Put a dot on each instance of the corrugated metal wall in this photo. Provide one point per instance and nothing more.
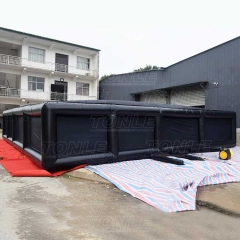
(220, 64)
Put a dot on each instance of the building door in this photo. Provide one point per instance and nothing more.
(59, 91)
(159, 97)
(193, 95)
(61, 63)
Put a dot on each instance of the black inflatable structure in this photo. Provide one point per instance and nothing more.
(61, 135)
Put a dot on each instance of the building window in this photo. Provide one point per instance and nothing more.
(36, 54)
(83, 63)
(36, 84)
(82, 89)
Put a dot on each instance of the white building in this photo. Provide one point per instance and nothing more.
(35, 69)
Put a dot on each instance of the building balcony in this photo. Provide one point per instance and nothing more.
(10, 60)
(38, 96)
(46, 67)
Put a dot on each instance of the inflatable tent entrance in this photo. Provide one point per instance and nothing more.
(62, 135)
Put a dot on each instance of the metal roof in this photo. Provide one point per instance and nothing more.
(166, 68)
(48, 39)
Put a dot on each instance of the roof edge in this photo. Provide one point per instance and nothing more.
(209, 49)
(48, 39)
(180, 60)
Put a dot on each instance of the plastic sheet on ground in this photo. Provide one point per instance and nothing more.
(168, 187)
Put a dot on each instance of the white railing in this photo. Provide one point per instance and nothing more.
(34, 94)
(71, 97)
(9, 92)
(61, 67)
(44, 96)
(14, 60)
(11, 60)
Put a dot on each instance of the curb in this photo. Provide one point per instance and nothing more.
(217, 208)
(87, 175)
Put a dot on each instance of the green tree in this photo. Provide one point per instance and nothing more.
(147, 68)
(105, 77)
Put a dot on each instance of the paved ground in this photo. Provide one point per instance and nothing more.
(223, 197)
(73, 208)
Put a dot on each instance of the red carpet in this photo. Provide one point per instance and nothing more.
(19, 165)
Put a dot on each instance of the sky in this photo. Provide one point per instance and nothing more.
(130, 34)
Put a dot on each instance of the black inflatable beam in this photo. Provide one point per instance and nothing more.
(162, 158)
(193, 158)
(62, 135)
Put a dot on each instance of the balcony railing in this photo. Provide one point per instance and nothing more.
(61, 67)
(44, 96)
(17, 61)
(9, 92)
(11, 60)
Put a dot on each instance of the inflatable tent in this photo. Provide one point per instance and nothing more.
(62, 135)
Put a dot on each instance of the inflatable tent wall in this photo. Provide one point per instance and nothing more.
(61, 135)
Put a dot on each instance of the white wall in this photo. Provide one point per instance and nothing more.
(51, 80)
(95, 62)
(50, 64)
(50, 59)
(21, 81)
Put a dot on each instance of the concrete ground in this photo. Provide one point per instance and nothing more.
(224, 198)
(82, 205)
(72, 208)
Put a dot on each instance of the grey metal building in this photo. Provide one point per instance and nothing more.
(210, 79)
